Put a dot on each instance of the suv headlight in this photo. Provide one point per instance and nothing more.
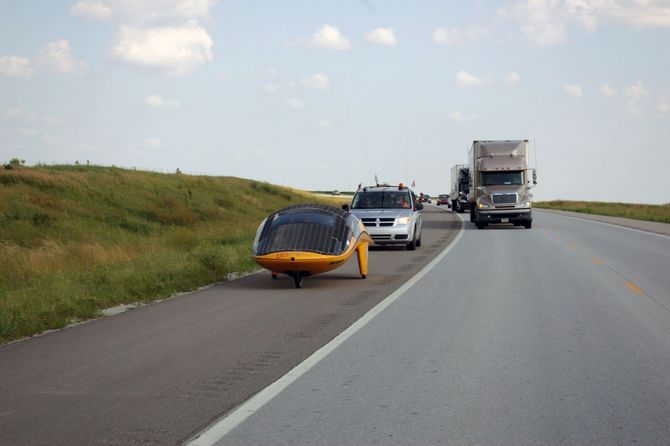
(404, 220)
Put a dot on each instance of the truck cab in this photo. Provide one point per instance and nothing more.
(391, 214)
(500, 183)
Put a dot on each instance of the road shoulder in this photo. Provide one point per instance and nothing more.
(640, 225)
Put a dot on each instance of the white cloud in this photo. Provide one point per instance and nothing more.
(92, 9)
(51, 140)
(574, 90)
(607, 90)
(329, 37)
(30, 116)
(318, 81)
(465, 79)
(453, 36)
(636, 90)
(546, 22)
(57, 56)
(158, 102)
(381, 36)
(14, 66)
(325, 124)
(13, 112)
(540, 22)
(664, 104)
(173, 50)
(151, 143)
(271, 88)
(462, 117)
(295, 103)
(639, 13)
(145, 11)
(512, 78)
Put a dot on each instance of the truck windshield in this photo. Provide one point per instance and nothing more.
(501, 178)
(384, 200)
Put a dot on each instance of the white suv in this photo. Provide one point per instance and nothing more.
(390, 214)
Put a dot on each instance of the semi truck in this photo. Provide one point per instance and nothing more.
(460, 186)
(500, 183)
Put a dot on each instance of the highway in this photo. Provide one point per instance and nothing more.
(161, 373)
(555, 335)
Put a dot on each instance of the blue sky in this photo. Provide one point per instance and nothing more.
(326, 94)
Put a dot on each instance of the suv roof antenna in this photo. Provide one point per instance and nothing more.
(376, 180)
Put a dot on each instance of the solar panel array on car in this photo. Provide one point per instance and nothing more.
(313, 228)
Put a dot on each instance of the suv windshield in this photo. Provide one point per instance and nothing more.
(501, 178)
(383, 200)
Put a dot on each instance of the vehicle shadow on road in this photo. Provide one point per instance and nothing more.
(469, 226)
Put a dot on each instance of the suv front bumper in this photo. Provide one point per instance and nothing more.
(390, 235)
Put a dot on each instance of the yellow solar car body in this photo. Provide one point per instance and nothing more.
(309, 239)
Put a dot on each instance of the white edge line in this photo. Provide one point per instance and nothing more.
(219, 429)
(606, 223)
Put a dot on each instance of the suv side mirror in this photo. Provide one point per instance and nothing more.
(419, 206)
(345, 207)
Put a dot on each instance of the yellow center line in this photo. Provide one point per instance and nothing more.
(634, 288)
(597, 261)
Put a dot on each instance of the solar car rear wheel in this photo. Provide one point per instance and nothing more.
(297, 279)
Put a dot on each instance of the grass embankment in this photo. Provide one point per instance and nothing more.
(647, 212)
(77, 239)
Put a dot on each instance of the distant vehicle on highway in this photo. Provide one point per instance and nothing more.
(308, 239)
(460, 186)
(425, 198)
(390, 214)
(443, 199)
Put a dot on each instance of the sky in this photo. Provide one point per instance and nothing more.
(323, 95)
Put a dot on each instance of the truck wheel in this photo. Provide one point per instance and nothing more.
(418, 242)
(472, 214)
(480, 225)
(528, 224)
(453, 205)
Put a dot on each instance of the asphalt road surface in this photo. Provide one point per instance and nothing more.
(159, 374)
(559, 335)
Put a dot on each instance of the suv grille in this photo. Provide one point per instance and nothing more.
(503, 198)
(381, 237)
(383, 221)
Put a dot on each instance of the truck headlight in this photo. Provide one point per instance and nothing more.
(524, 204)
(404, 220)
(483, 205)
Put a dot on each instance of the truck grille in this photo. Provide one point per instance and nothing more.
(504, 198)
(384, 221)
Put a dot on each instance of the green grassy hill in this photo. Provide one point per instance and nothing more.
(77, 239)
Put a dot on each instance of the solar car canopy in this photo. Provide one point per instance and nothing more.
(311, 228)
